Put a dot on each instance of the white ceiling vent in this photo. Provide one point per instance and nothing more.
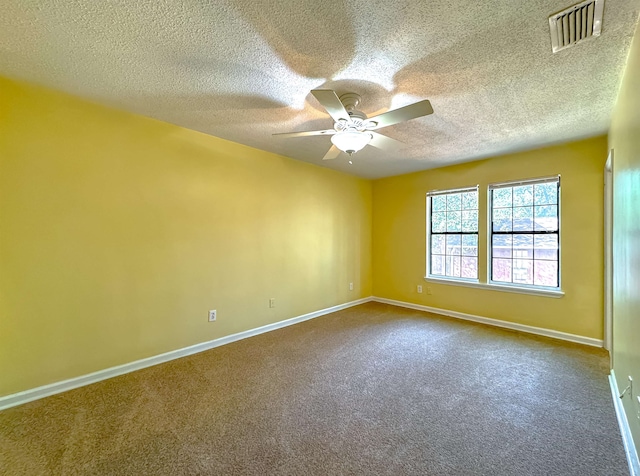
(575, 24)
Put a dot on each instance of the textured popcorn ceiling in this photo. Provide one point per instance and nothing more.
(242, 70)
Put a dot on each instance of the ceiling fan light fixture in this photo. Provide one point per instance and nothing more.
(351, 141)
(353, 130)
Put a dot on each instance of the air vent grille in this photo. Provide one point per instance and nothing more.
(575, 24)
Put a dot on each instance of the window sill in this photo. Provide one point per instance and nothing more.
(498, 287)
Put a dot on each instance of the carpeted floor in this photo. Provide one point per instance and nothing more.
(374, 389)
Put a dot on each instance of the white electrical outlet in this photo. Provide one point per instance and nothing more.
(419, 288)
(272, 302)
(212, 315)
(350, 286)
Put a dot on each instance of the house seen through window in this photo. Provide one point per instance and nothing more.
(525, 233)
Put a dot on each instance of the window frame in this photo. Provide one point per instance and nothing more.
(453, 279)
(522, 286)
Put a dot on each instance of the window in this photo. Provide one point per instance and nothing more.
(525, 233)
(452, 234)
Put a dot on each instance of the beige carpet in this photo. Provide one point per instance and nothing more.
(373, 389)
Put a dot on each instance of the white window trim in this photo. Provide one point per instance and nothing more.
(523, 288)
(433, 193)
(539, 291)
(492, 285)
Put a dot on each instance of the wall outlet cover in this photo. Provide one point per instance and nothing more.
(212, 315)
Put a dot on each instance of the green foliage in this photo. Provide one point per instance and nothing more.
(438, 222)
(470, 200)
(454, 255)
(454, 221)
(455, 212)
(546, 193)
(454, 201)
(523, 196)
(518, 257)
(502, 197)
(439, 203)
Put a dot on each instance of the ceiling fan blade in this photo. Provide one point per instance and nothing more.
(331, 102)
(406, 113)
(332, 153)
(328, 132)
(383, 142)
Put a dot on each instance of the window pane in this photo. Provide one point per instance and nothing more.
(546, 273)
(451, 215)
(520, 254)
(470, 220)
(439, 203)
(470, 245)
(502, 219)
(453, 266)
(501, 270)
(546, 193)
(437, 244)
(523, 246)
(523, 219)
(523, 196)
(454, 221)
(437, 265)
(523, 271)
(469, 268)
(470, 200)
(454, 201)
(454, 245)
(438, 222)
(546, 218)
(501, 197)
(545, 247)
(501, 247)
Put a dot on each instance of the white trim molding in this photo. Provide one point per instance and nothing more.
(623, 423)
(492, 286)
(608, 255)
(496, 322)
(26, 396)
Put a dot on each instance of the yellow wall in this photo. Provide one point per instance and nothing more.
(399, 234)
(624, 139)
(118, 233)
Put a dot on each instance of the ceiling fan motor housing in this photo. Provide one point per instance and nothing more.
(350, 101)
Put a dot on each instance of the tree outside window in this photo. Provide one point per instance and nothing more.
(525, 233)
(452, 234)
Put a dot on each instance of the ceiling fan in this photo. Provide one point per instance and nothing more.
(353, 130)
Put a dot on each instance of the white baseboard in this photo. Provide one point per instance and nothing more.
(495, 322)
(62, 386)
(59, 387)
(623, 423)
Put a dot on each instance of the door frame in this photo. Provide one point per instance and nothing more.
(608, 256)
